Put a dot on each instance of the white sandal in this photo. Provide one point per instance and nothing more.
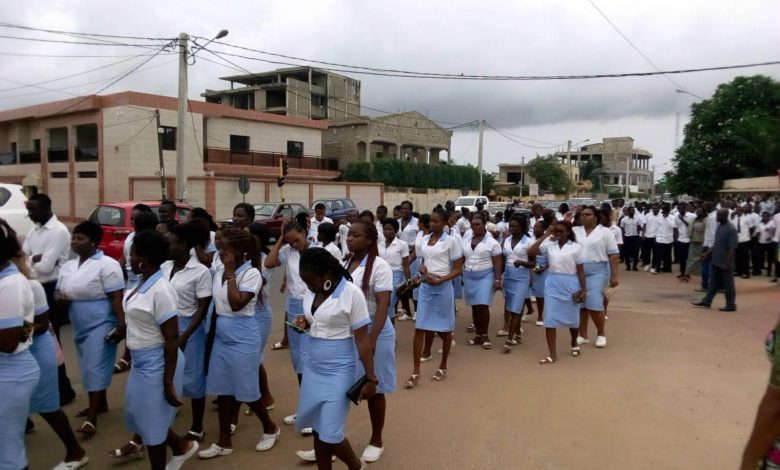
(139, 452)
(214, 451)
(267, 441)
(73, 464)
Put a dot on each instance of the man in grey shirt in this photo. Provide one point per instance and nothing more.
(721, 256)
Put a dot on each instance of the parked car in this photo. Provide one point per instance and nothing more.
(114, 217)
(13, 208)
(272, 214)
(337, 208)
(470, 202)
(494, 207)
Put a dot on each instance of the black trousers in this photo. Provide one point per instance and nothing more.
(681, 255)
(765, 258)
(631, 250)
(743, 259)
(662, 257)
(57, 318)
(647, 250)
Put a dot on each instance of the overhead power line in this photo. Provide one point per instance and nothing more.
(100, 35)
(87, 43)
(508, 137)
(75, 56)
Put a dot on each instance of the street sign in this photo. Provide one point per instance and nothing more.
(533, 189)
(243, 184)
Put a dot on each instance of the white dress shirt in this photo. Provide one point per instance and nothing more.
(146, 308)
(480, 257)
(712, 227)
(766, 232)
(596, 246)
(291, 258)
(665, 232)
(94, 279)
(191, 283)
(463, 224)
(684, 228)
(52, 241)
(248, 279)
(617, 233)
(743, 223)
(394, 253)
(380, 280)
(334, 250)
(344, 311)
(563, 260)
(652, 224)
(438, 258)
(630, 225)
(409, 232)
(520, 250)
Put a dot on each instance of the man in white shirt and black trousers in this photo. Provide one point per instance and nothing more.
(47, 247)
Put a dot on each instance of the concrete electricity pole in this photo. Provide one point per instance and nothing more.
(568, 166)
(163, 190)
(479, 159)
(181, 177)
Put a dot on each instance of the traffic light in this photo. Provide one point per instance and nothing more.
(285, 167)
(280, 181)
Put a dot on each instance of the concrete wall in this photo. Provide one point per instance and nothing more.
(263, 137)
(763, 183)
(423, 202)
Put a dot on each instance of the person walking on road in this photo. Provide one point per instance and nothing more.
(722, 258)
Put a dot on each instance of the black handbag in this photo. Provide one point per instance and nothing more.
(354, 391)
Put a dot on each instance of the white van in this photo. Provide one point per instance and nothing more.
(470, 202)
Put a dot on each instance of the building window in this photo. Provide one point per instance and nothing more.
(514, 176)
(87, 174)
(617, 180)
(294, 148)
(167, 137)
(239, 143)
(9, 158)
(59, 174)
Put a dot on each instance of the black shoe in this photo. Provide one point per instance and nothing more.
(728, 309)
(700, 304)
(68, 397)
(634, 268)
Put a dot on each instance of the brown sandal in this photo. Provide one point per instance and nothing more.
(87, 428)
(439, 375)
(411, 382)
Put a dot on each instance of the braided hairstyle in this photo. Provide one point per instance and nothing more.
(243, 242)
(300, 223)
(9, 244)
(522, 219)
(373, 252)
(320, 262)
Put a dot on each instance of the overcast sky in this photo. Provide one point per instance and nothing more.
(487, 37)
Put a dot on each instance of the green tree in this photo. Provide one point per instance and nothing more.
(591, 171)
(550, 175)
(734, 134)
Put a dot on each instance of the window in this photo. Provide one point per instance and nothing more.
(514, 176)
(5, 195)
(337, 206)
(59, 174)
(167, 137)
(108, 215)
(87, 174)
(349, 203)
(294, 148)
(617, 180)
(239, 143)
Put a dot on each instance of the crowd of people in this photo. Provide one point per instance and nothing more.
(192, 303)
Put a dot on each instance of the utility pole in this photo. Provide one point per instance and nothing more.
(522, 176)
(568, 166)
(163, 191)
(479, 158)
(181, 177)
(628, 177)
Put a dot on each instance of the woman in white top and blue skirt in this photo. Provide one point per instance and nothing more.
(46, 396)
(482, 272)
(409, 228)
(263, 312)
(442, 262)
(156, 378)
(565, 286)
(191, 281)
(336, 318)
(396, 252)
(92, 285)
(602, 258)
(405, 312)
(517, 277)
(19, 371)
(539, 274)
(375, 278)
(235, 357)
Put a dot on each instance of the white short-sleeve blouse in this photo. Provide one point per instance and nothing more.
(339, 315)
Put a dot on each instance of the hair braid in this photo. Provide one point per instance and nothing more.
(244, 242)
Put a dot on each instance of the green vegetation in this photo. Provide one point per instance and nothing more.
(550, 175)
(417, 175)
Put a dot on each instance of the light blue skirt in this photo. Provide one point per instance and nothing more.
(294, 339)
(92, 320)
(384, 359)
(46, 397)
(516, 288)
(478, 286)
(560, 310)
(537, 290)
(457, 287)
(398, 280)
(265, 319)
(235, 357)
(194, 360)
(329, 370)
(596, 280)
(414, 269)
(436, 308)
(19, 375)
(147, 413)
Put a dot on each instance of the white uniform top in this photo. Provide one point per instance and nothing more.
(266, 274)
(709, 231)
(316, 223)
(683, 230)
(18, 304)
(409, 232)
(502, 227)
(191, 283)
(394, 253)
(381, 280)
(146, 308)
(743, 224)
(617, 233)
(343, 233)
(776, 220)
(248, 280)
(563, 260)
(418, 245)
(126, 250)
(291, 258)
(438, 258)
(630, 225)
(463, 224)
(766, 232)
(665, 233)
(94, 279)
(344, 311)
(334, 250)
(39, 297)
(216, 264)
(481, 257)
(519, 252)
(652, 224)
(597, 246)
(52, 240)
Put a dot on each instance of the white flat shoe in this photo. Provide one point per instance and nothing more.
(310, 456)
(267, 441)
(290, 419)
(214, 451)
(581, 340)
(73, 464)
(540, 323)
(601, 341)
(178, 460)
(307, 431)
(372, 453)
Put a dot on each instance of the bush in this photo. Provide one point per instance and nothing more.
(416, 175)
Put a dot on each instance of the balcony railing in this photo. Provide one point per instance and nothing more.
(269, 159)
(7, 158)
(58, 155)
(29, 156)
(86, 153)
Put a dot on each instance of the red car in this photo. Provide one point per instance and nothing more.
(114, 217)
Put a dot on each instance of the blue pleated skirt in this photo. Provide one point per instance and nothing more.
(46, 396)
(147, 413)
(19, 374)
(92, 320)
(540, 278)
(398, 279)
(295, 339)
(478, 287)
(235, 357)
(194, 360)
(329, 370)
(516, 288)
(414, 269)
(436, 308)
(457, 287)
(596, 280)
(560, 310)
(265, 319)
(384, 359)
